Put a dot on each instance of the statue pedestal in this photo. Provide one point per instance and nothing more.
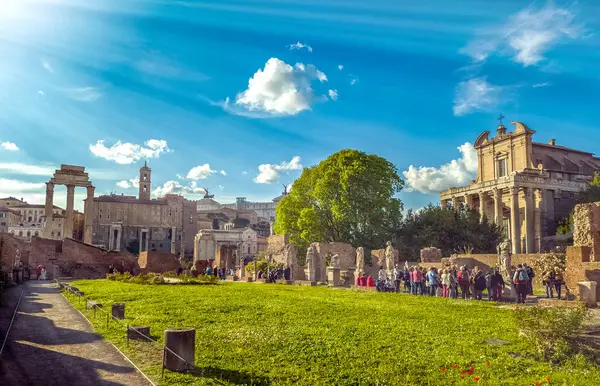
(587, 292)
(333, 276)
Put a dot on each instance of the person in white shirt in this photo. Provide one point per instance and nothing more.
(381, 278)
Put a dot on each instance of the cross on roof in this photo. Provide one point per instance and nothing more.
(500, 118)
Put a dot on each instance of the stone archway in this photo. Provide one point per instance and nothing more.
(72, 177)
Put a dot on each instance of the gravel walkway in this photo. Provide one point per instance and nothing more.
(51, 343)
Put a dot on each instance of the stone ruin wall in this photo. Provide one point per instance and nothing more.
(158, 262)
(63, 258)
(276, 248)
(431, 255)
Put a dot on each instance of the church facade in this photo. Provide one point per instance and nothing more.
(524, 186)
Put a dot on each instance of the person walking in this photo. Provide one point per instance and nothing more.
(558, 282)
(521, 280)
(43, 274)
(531, 275)
(489, 284)
(464, 282)
(548, 280)
(398, 275)
(498, 285)
(445, 283)
(381, 278)
(478, 283)
(432, 279)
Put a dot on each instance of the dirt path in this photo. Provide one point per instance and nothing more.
(51, 343)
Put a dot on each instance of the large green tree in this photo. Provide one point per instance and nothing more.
(349, 197)
(449, 230)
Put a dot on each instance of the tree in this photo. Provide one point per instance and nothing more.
(449, 230)
(348, 197)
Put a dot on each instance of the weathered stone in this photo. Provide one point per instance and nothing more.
(431, 255)
(333, 276)
(118, 311)
(138, 333)
(182, 343)
(587, 292)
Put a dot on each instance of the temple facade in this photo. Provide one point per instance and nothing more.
(524, 186)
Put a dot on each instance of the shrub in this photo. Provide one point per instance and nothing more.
(549, 261)
(551, 329)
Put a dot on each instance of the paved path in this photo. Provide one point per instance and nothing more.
(51, 343)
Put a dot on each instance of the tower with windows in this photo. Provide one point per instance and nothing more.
(145, 178)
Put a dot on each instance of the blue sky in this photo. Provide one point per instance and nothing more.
(178, 83)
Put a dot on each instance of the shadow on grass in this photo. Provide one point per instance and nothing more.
(232, 376)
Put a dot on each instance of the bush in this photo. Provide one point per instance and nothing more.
(551, 330)
(548, 261)
(155, 278)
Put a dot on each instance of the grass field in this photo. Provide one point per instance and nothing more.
(283, 335)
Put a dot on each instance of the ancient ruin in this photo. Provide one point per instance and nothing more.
(72, 177)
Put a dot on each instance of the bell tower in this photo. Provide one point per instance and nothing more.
(145, 178)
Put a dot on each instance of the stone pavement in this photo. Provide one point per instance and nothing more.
(51, 343)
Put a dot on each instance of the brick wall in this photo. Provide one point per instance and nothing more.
(158, 262)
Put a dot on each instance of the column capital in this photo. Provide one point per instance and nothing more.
(49, 185)
(514, 190)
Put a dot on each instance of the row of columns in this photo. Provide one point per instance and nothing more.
(68, 229)
(531, 196)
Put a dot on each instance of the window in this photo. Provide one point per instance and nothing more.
(58, 234)
(502, 168)
(160, 245)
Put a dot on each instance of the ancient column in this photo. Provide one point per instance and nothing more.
(147, 240)
(539, 205)
(173, 239)
(119, 232)
(469, 201)
(88, 215)
(455, 203)
(68, 229)
(515, 221)
(482, 205)
(529, 221)
(548, 221)
(498, 206)
(444, 204)
(48, 209)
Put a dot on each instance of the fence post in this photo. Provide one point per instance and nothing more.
(127, 334)
(107, 318)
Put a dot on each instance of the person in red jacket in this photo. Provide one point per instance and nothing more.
(464, 282)
(370, 282)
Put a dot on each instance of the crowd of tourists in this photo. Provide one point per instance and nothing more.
(270, 274)
(462, 282)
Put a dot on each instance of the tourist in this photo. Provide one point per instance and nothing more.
(398, 275)
(498, 285)
(478, 283)
(548, 280)
(464, 282)
(445, 283)
(411, 276)
(418, 279)
(453, 293)
(531, 275)
(489, 285)
(521, 280)
(43, 274)
(423, 279)
(358, 281)
(111, 269)
(558, 282)
(286, 273)
(370, 282)
(432, 279)
(38, 271)
(381, 278)
(407, 279)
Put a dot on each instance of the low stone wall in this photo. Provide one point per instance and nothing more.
(580, 268)
(158, 262)
(346, 252)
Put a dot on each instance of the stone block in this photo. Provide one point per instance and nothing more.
(587, 292)
(249, 279)
(182, 343)
(333, 276)
(118, 311)
(138, 333)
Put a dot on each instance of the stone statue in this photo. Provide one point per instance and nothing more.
(389, 257)
(206, 195)
(360, 259)
(17, 258)
(505, 263)
(335, 261)
(311, 259)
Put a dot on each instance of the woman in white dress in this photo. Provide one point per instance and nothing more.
(43, 274)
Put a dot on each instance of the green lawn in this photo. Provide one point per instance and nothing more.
(282, 335)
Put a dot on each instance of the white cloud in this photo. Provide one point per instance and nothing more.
(221, 187)
(299, 46)
(83, 94)
(33, 170)
(333, 94)
(269, 174)
(47, 66)
(280, 89)
(353, 79)
(41, 92)
(544, 84)
(10, 146)
(35, 193)
(475, 94)
(456, 173)
(130, 183)
(179, 176)
(175, 187)
(223, 172)
(127, 153)
(17, 186)
(244, 172)
(340, 67)
(200, 172)
(527, 35)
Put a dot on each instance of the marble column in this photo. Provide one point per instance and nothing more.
(48, 210)
(455, 203)
(482, 205)
(515, 221)
(68, 230)
(119, 234)
(173, 239)
(539, 209)
(88, 215)
(469, 201)
(498, 206)
(529, 221)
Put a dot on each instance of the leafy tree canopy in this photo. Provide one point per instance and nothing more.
(451, 231)
(349, 197)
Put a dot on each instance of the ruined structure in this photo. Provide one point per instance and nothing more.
(524, 186)
(228, 248)
(72, 177)
(431, 255)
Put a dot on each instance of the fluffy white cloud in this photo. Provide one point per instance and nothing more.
(41, 93)
(269, 174)
(10, 146)
(299, 46)
(353, 79)
(83, 94)
(456, 173)
(130, 183)
(35, 193)
(333, 94)
(476, 94)
(17, 186)
(32, 170)
(280, 89)
(223, 172)
(544, 84)
(127, 153)
(200, 172)
(340, 67)
(47, 66)
(175, 187)
(527, 35)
